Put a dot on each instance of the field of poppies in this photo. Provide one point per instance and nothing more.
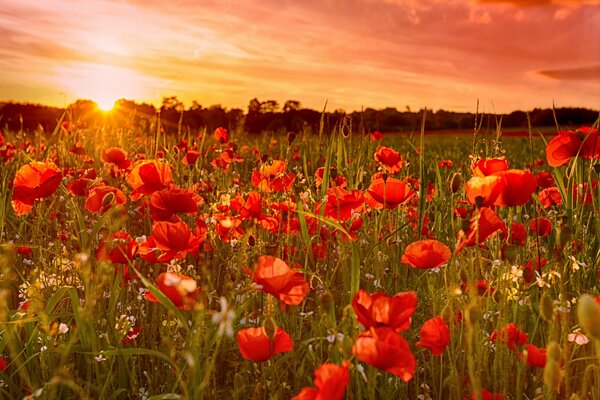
(328, 265)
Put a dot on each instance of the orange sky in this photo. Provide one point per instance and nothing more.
(354, 53)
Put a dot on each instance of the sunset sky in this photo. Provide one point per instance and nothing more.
(353, 53)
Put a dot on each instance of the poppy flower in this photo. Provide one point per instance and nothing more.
(252, 206)
(483, 190)
(445, 164)
(426, 254)
(79, 187)
(583, 142)
(511, 336)
(536, 356)
(115, 156)
(148, 176)
(190, 157)
(330, 381)
(388, 193)
(255, 345)
(228, 228)
(376, 135)
(545, 179)
(550, 197)
(483, 225)
(273, 178)
(518, 233)
(131, 335)
(517, 187)
(542, 226)
(3, 363)
(165, 203)
(276, 278)
(584, 193)
(119, 248)
(335, 179)
(435, 336)
(172, 239)
(221, 135)
(100, 198)
(383, 348)
(389, 159)
(342, 203)
(36, 180)
(181, 289)
(380, 310)
(489, 166)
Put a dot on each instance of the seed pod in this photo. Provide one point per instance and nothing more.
(447, 313)
(588, 312)
(546, 307)
(456, 182)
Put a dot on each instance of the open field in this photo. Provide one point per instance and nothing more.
(337, 265)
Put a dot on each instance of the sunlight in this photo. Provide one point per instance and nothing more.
(102, 83)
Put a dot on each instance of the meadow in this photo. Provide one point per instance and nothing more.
(337, 264)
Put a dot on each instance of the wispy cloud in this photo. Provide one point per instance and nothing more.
(354, 53)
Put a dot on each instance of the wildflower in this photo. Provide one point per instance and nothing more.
(488, 166)
(149, 176)
(165, 203)
(379, 310)
(517, 187)
(511, 336)
(273, 178)
(383, 348)
(36, 180)
(483, 190)
(182, 290)
(256, 345)
(388, 193)
(483, 225)
(172, 239)
(583, 142)
(536, 356)
(115, 156)
(376, 135)
(542, 226)
(330, 381)
(578, 337)
(100, 198)
(435, 336)
(426, 254)
(278, 279)
(224, 318)
(389, 159)
(221, 135)
(341, 203)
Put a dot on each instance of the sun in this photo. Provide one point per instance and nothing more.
(102, 83)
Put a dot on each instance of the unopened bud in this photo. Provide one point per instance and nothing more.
(552, 375)
(270, 328)
(564, 234)
(553, 351)
(473, 312)
(547, 307)
(456, 182)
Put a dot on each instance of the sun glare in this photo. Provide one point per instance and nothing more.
(102, 83)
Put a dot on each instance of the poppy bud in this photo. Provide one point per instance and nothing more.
(546, 307)
(251, 241)
(447, 312)
(264, 158)
(464, 276)
(108, 199)
(588, 312)
(270, 328)
(509, 253)
(291, 137)
(564, 234)
(384, 176)
(455, 182)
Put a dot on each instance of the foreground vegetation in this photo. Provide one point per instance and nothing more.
(220, 265)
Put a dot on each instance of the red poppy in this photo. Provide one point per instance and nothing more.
(389, 159)
(426, 254)
(583, 193)
(181, 289)
(190, 157)
(483, 190)
(79, 187)
(273, 178)
(100, 198)
(3, 363)
(342, 203)
(228, 228)
(483, 225)
(255, 345)
(511, 336)
(35, 180)
(119, 248)
(389, 193)
(116, 156)
(149, 176)
(380, 310)
(383, 348)
(335, 179)
(445, 164)
(330, 381)
(517, 187)
(165, 203)
(583, 142)
(488, 166)
(550, 197)
(276, 278)
(536, 356)
(172, 239)
(435, 336)
(542, 226)
(376, 135)
(131, 335)
(222, 135)
(518, 233)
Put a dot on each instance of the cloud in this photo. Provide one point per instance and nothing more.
(590, 72)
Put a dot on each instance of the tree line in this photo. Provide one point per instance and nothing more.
(269, 116)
